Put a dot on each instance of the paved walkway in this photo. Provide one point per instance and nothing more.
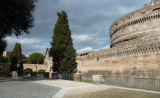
(22, 88)
(42, 88)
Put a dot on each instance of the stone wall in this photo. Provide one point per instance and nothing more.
(147, 65)
(137, 28)
(34, 67)
(135, 47)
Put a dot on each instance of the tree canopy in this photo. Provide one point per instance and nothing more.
(36, 58)
(62, 50)
(16, 17)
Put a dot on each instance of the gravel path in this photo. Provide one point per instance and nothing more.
(71, 88)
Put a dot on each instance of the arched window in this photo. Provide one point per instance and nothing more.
(156, 9)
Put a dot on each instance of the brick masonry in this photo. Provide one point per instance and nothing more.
(135, 46)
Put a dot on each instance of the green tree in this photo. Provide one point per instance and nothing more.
(3, 45)
(16, 17)
(17, 51)
(62, 50)
(16, 59)
(27, 71)
(36, 58)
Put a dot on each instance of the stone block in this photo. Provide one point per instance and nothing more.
(97, 79)
(77, 77)
(14, 74)
(50, 75)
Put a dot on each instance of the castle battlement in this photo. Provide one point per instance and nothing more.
(116, 54)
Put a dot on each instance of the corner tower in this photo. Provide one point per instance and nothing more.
(137, 28)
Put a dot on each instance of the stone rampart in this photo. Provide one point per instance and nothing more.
(115, 54)
(136, 28)
(135, 46)
(147, 65)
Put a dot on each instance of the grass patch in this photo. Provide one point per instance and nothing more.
(115, 93)
(87, 81)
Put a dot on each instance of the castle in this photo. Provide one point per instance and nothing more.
(134, 47)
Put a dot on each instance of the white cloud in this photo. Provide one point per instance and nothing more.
(89, 40)
(88, 20)
(103, 48)
(24, 41)
(28, 45)
(89, 49)
(84, 50)
(35, 48)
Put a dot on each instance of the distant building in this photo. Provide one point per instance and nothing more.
(26, 55)
(5, 53)
(48, 61)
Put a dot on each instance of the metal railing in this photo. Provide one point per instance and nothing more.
(131, 82)
(67, 76)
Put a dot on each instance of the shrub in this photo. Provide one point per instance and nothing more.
(28, 70)
(41, 71)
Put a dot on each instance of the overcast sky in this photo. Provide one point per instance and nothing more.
(89, 21)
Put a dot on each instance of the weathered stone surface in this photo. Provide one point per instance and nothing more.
(77, 77)
(14, 74)
(97, 79)
(137, 28)
(135, 41)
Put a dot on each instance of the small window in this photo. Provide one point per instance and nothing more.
(143, 12)
(97, 59)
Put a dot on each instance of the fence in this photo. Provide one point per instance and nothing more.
(67, 76)
(86, 77)
(131, 82)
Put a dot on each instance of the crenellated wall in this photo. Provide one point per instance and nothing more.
(120, 53)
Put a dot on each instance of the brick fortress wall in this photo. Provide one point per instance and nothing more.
(135, 46)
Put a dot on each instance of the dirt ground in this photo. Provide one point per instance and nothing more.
(71, 89)
(114, 93)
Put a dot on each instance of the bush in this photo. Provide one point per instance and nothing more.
(46, 74)
(41, 71)
(27, 71)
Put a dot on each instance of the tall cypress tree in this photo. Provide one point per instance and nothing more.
(17, 51)
(17, 58)
(62, 50)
